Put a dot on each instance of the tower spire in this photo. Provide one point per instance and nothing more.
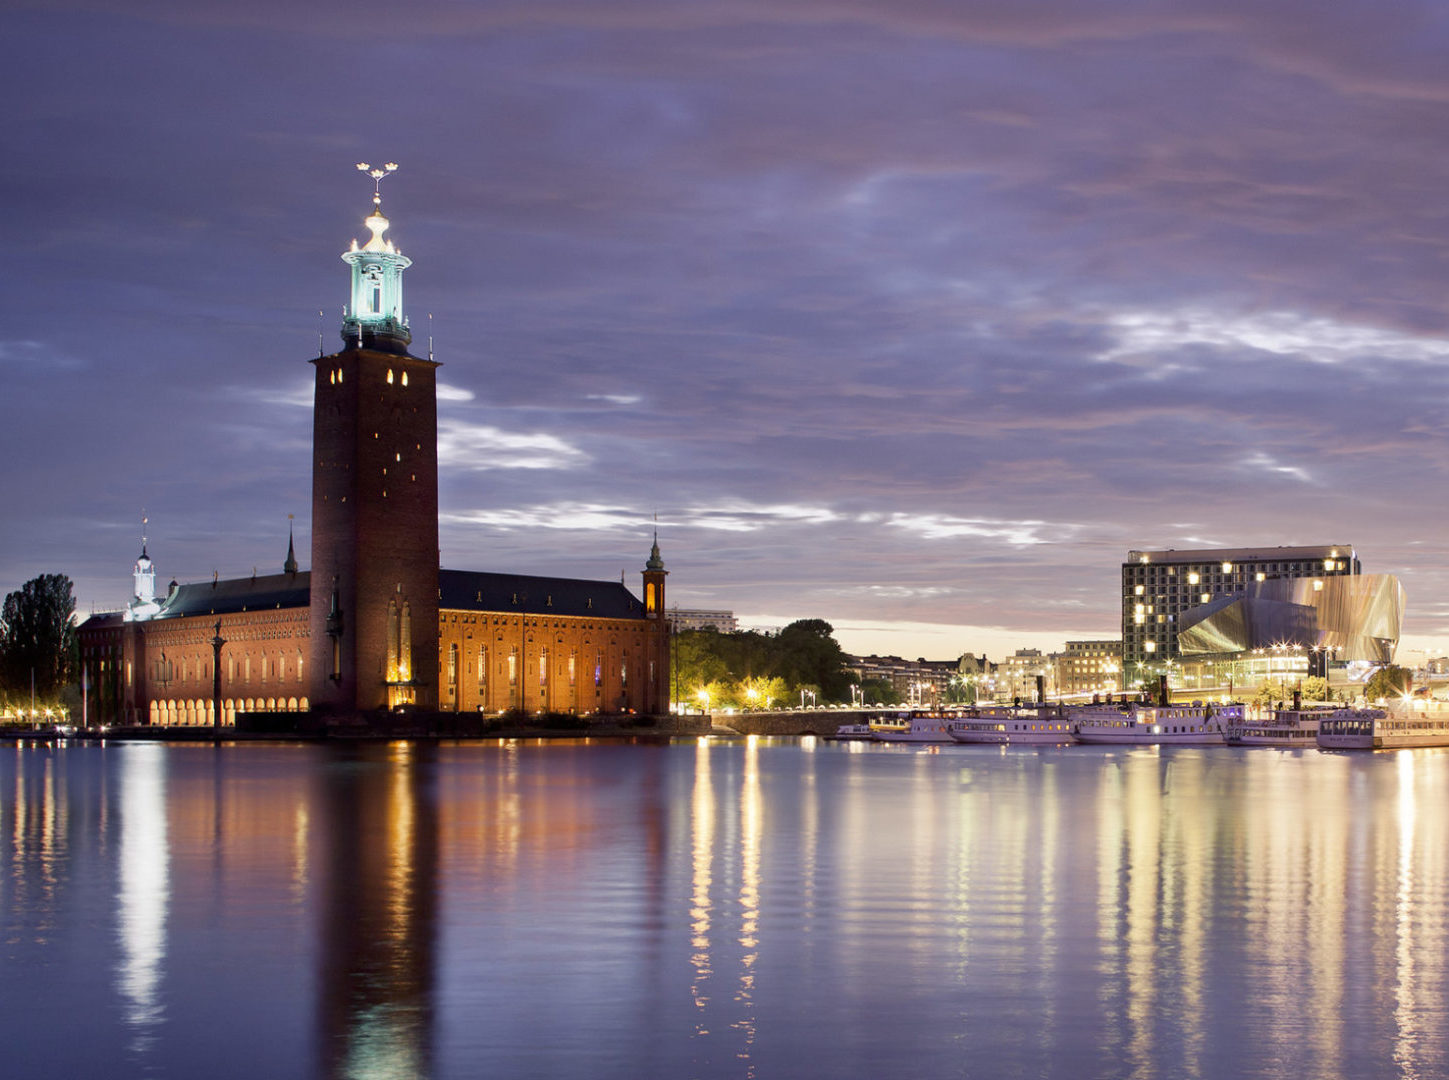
(375, 319)
(290, 566)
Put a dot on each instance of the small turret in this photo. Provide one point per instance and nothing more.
(143, 603)
(654, 575)
(290, 566)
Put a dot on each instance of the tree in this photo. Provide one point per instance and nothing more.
(810, 656)
(879, 692)
(37, 637)
(1388, 681)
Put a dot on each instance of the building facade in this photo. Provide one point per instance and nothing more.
(1158, 587)
(1087, 667)
(918, 682)
(376, 623)
(723, 622)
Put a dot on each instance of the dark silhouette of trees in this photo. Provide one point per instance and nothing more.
(37, 636)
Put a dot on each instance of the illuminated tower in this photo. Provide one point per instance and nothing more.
(657, 691)
(374, 599)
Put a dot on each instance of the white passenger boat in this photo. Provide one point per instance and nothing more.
(1012, 725)
(923, 727)
(1282, 727)
(1170, 725)
(1373, 729)
(852, 733)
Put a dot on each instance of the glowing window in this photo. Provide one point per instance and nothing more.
(1150, 646)
(1193, 579)
(405, 378)
(1139, 590)
(1205, 598)
(1227, 568)
(389, 376)
(1262, 577)
(1318, 586)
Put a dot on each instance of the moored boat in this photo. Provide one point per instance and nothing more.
(852, 732)
(922, 727)
(1373, 729)
(1186, 725)
(1281, 727)
(1008, 725)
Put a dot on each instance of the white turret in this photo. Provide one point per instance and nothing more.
(143, 600)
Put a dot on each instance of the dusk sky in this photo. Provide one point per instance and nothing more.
(909, 315)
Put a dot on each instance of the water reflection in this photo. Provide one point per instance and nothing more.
(376, 969)
(143, 896)
(726, 909)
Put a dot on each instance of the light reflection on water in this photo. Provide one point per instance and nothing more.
(749, 908)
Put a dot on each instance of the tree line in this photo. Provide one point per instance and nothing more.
(748, 669)
(38, 641)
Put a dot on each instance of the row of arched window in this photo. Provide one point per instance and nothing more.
(195, 712)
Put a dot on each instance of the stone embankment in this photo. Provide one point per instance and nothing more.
(787, 722)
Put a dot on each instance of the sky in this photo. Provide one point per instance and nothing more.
(910, 315)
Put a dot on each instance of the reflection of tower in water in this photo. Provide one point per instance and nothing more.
(377, 963)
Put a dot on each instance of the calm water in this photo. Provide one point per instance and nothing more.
(722, 909)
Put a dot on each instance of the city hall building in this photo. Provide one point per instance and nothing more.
(376, 624)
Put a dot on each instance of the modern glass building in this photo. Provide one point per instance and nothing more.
(1161, 588)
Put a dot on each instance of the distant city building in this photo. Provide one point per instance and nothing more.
(977, 675)
(1158, 587)
(920, 681)
(691, 619)
(1017, 674)
(1088, 667)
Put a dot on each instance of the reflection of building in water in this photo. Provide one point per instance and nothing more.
(143, 895)
(378, 888)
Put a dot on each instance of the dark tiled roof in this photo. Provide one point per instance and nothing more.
(231, 595)
(460, 590)
(105, 620)
(469, 590)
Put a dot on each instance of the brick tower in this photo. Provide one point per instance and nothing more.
(657, 693)
(374, 599)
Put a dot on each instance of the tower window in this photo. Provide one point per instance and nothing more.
(389, 376)
(404, 378)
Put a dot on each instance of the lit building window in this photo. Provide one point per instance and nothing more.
(389, 376)
(1262, 577)
(1150, 646)
(405, 378)
(1227, 568)
(1139, 590)
(1206, 597)
(1318, 586)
